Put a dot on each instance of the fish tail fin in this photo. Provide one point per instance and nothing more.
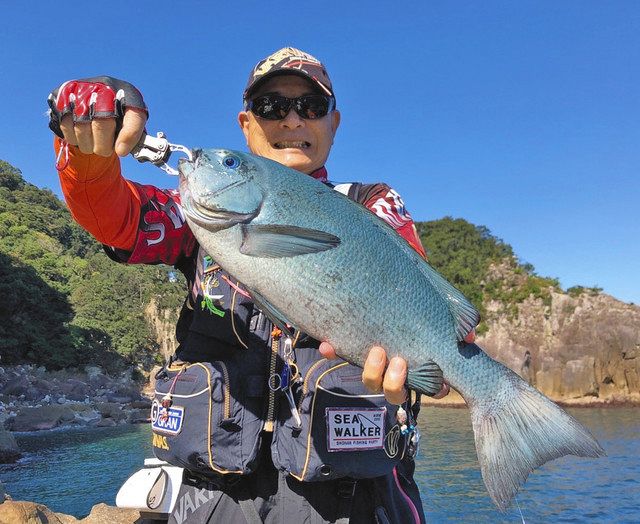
(527, 431)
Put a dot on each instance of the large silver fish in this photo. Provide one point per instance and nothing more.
(331, 268)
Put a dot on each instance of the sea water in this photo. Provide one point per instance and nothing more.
(71, 470)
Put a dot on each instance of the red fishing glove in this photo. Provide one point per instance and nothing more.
(92, 98)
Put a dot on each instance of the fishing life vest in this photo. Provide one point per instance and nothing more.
(235, 375)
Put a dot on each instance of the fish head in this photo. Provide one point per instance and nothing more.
(218, 188)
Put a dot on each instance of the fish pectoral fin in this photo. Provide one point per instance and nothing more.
(280, 241)
(426, 379)
(272, 313)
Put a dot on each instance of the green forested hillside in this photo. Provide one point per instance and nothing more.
(64, 303)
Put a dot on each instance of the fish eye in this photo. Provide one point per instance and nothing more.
(231, 161)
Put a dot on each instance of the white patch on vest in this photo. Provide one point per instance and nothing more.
(342, 188)
(164, 421)
(355, 429)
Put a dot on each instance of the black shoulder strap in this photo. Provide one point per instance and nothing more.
(361, 193)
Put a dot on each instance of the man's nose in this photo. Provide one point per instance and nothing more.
(292, 120)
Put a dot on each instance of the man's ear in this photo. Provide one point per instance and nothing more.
(335, 121)
(243, 121)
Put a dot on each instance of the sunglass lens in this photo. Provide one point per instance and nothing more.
(313, 106)
(271, 107)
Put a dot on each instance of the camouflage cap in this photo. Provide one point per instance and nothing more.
(289, 60)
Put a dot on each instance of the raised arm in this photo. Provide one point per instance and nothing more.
(95, 120)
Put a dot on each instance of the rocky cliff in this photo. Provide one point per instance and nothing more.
(162, 322)
(579, 348)
(583, 347)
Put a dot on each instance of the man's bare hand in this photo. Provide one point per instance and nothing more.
(378, 374)
(99, 136)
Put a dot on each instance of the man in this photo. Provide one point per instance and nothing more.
(290, 117)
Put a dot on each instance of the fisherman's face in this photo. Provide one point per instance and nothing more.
(298, 143)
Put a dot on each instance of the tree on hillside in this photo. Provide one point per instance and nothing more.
(462, 252)
(10, 177)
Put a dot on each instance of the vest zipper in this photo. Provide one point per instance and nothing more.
(305, 384)
(273, 359)
(227, 394)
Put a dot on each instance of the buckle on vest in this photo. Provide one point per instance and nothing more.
(346, 487)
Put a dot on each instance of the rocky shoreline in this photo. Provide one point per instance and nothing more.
(21, 512)
(34, 399)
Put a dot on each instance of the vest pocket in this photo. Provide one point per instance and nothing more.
(198, 424)
(346, 430)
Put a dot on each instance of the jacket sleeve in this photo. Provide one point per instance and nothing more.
(388, 205)
(100, 200)
(138, 224)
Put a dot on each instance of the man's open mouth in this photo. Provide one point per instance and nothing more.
(291, 144)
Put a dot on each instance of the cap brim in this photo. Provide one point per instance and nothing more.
(281, 72)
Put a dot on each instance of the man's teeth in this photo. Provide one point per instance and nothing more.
(287, 145)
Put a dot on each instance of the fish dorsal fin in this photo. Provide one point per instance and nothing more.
(465, 314)
(280, 241)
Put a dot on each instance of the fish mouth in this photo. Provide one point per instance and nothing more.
(292, 144)
(208, 217)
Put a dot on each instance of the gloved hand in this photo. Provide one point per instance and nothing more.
(99, 115)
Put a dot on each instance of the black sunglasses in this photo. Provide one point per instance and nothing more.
(277, 107)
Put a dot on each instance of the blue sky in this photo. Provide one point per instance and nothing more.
(520, 116)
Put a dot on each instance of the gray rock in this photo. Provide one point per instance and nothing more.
(106, 423)
(115, 398)
(43, 384)
(111, 410)
(4, 417)
(138, 416)
(85, 415)
(45, 417)
(16, 386)
(75, 389)
(32, 394)
(9, 450)
(129, 391)
(76, 397)
(141, 404)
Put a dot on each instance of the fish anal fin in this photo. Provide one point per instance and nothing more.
(426, 378)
